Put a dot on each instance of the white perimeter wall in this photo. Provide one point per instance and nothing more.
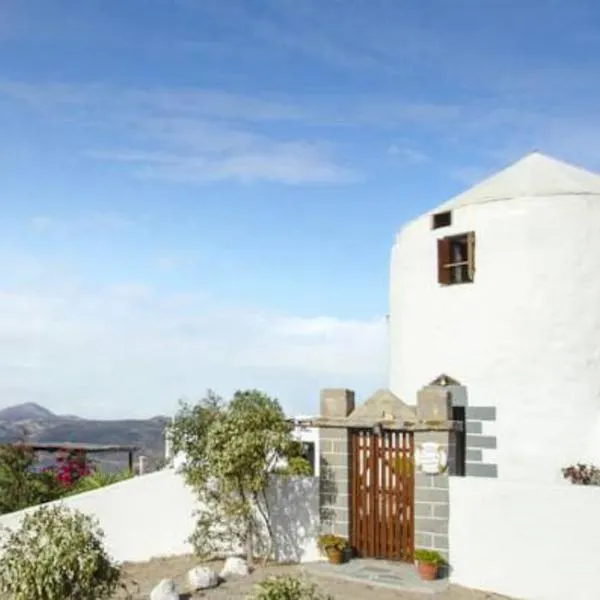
(152, 516)
(525, 540)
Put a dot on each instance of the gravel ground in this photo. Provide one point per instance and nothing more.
(142, 577)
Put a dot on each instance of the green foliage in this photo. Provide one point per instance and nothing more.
(20, 485)
(287, 588)
(296, 463)
(231, 450)
(57, 554)
(328, 541)
(97, 480)
(429, 557)
(297, 466)
(189, 434)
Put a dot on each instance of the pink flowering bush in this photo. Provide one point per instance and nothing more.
(70, 467)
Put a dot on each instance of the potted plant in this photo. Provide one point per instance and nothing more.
(428, 563)
(334, 547)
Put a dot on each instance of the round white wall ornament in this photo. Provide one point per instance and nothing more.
(431, 458)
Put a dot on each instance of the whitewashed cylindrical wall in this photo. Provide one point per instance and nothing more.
(524, 337)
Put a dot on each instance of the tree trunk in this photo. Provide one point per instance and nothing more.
(265, 514)
(249, 544)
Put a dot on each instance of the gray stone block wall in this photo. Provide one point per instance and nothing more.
(432, 512)
(478, 439)
(334, 481)
(334, 486)
(431, 498)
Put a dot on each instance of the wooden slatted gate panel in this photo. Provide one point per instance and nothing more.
(382, 494)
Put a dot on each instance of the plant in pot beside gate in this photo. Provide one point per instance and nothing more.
(334, 547)
(428, 564)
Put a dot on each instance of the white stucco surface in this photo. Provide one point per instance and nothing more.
(536, 542)
(524, 337)
(143, 517)
(152, 516)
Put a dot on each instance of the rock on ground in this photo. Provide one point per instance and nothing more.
(165, 590)
(202, 578)
(235, 565)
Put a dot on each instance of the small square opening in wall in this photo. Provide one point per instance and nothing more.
(456, 259)
(443, 219)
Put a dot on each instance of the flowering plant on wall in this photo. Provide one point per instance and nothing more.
(581, 474)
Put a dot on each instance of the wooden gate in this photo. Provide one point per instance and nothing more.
(382, 494)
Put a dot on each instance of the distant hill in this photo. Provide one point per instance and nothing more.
(42, 425)
(24, 412)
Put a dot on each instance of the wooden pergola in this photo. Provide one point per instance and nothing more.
(53, 447)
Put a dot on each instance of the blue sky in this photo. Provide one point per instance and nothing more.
(199, 193)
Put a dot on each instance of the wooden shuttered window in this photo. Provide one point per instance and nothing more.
(444, 260)
(456, 259)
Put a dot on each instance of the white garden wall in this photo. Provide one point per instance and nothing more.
(525, 540)
(152, 516)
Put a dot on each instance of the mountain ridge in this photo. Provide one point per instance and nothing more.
(38, 424)
(24, 411)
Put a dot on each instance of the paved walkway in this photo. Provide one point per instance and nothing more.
(381, 573)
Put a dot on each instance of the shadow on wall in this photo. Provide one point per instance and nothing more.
(294, 508)
(328, 494)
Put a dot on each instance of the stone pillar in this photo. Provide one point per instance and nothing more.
(335, 463)
(431, 491)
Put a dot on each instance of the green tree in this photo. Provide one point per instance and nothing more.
(20, 485)
(189, 432)
(231, 451)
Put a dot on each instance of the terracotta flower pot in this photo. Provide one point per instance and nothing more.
(427, 572)
(335, 556)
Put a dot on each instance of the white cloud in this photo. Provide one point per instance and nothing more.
(130, 350)
(190, 135)
(257, 160)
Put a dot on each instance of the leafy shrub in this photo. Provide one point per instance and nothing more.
(20, 485)
(429, 557)
(57, 554)
(287, 588)
(328, 541)
(582, 474)
(296, 466)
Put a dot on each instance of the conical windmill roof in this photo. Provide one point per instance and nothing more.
(534, 176)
